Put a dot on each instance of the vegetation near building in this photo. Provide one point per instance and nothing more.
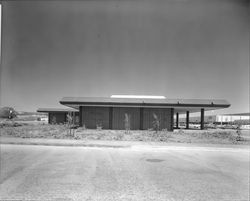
(156, 123)
(7, 113)
(127, 122)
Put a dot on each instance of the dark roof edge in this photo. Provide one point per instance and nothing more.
(46, 110)
(144, 104)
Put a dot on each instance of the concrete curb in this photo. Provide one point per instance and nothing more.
(191, 148)
(122, 144)
(67, 144)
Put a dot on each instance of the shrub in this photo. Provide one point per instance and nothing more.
(99, 126)
(127, 123)
(84, 127)
(53, 121)
(119, 136)
(7, 113)
(164, 135)
(238, 132)
(156, 123)
(222, 134)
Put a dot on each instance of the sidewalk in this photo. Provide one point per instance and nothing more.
(120, 144)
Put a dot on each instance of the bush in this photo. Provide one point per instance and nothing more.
(119, 136)
(222, 134)
(156, 123)
(238, 138)
(7, 113)
(99, 126)
(164, 135)
(127, 123)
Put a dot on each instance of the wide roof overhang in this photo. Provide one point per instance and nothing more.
(179, 105)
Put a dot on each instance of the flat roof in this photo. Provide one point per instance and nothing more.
(180, 105)
(56, 110)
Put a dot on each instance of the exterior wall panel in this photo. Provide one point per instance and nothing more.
(119, 117)
(61, 117)
(110, 117)
(92, 116)
(163, 114)
(57, 118)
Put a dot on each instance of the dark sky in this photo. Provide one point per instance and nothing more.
(176, 48)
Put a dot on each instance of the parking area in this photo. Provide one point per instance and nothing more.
(78, 173)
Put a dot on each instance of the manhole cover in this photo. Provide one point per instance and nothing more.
(154, 160)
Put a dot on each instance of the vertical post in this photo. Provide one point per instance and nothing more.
(187, 120)
(49, 118)
(110, 118)
(177, 120)
(74, 118)
(172, 119)
(202, 118)
(65, 117)
(141, 118)
(80, 116)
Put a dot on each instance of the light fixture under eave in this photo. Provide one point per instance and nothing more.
(138, 96)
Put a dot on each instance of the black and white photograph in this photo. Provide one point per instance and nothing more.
(124, 100)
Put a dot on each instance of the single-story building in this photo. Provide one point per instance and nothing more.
(59, 115)
(230, 118)
(110, 113)
(221, 118)
(196, 119)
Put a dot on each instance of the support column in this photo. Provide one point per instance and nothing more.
(177, 120)
(141, 118)
(172, 119)
(80, 116)
(187, 120)
(74, 118)
(49, 118)
(65, 117)
(110, 118)
(202, 118)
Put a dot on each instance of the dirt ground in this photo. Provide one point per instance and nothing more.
(212, 136)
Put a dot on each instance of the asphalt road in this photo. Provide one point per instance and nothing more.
(77, 173)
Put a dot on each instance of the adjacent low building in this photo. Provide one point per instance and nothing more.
(230, 118)
(110, 113)
(222, 118)
(59, 115)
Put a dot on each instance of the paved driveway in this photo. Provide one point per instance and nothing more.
(77, 173)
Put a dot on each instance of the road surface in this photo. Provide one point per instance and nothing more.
(111, 174)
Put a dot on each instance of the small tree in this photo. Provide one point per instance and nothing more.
(8, 113)
(156, 123)
(238, 132)
(53, 120)
(70, 123)
(99, 125)
(127, 123)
